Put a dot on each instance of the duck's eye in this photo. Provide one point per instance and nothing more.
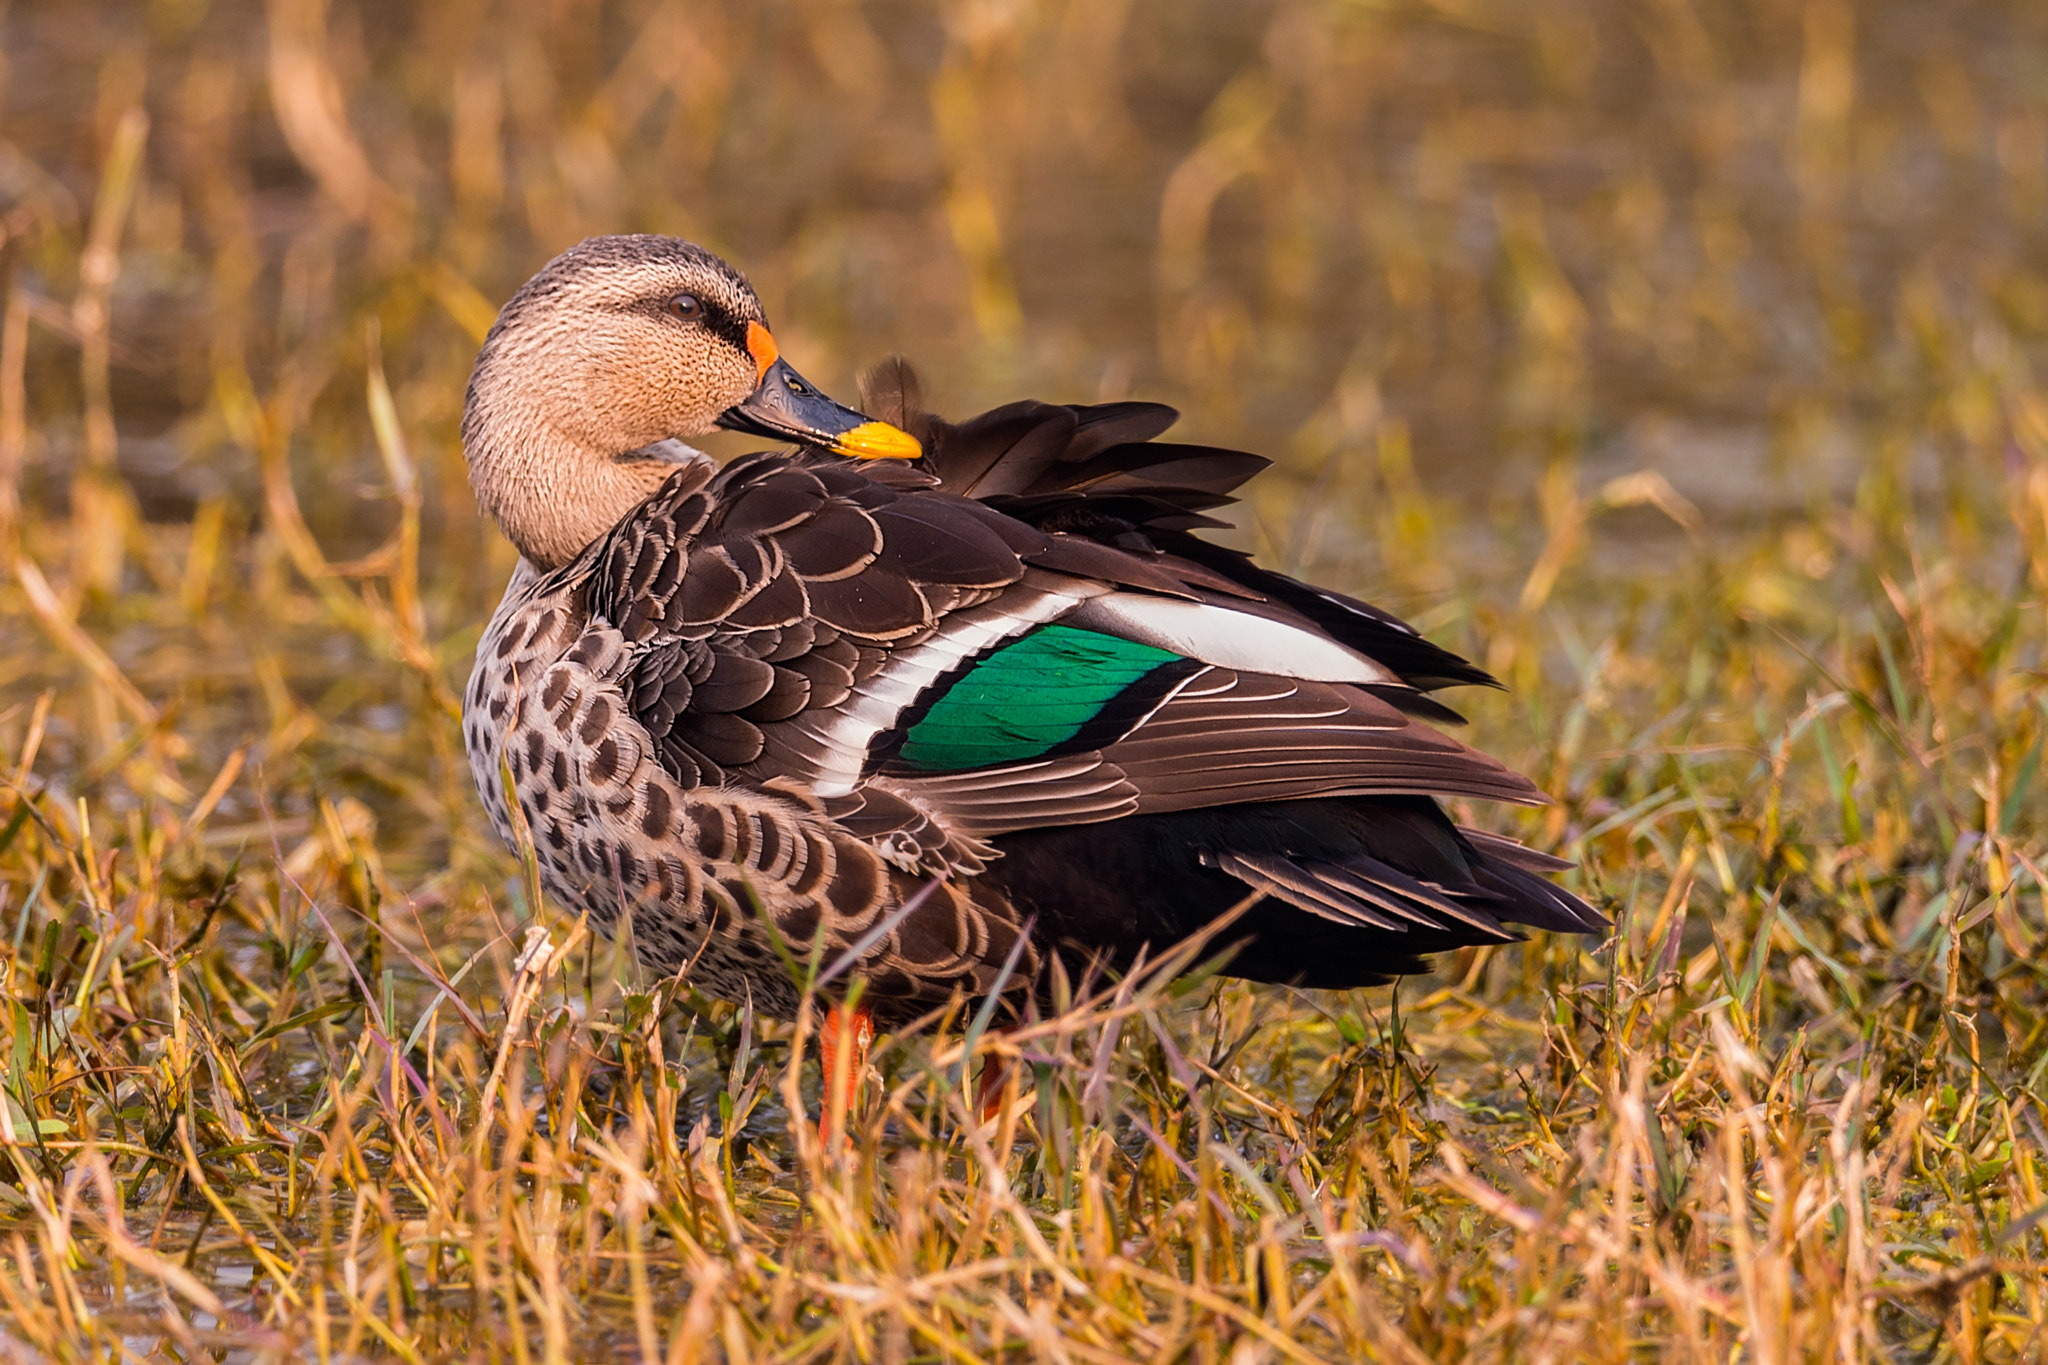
(686, 307)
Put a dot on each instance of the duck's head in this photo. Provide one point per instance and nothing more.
(618, 345)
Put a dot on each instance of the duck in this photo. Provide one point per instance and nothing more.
(961, 708)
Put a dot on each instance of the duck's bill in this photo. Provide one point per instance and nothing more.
(785, 407)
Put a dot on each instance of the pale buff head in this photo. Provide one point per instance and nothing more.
(617, 344)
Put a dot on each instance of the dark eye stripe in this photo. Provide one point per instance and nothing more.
(713, 316)
(724, 324)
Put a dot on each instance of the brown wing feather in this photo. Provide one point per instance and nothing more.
(773, 589)
(1226, 738)
(1241, 736)
(1096, 472)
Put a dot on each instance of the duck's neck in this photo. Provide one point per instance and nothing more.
(551, 493)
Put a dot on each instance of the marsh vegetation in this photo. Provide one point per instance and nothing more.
(1681, 361)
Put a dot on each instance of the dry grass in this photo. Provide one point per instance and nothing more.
(1682, 359)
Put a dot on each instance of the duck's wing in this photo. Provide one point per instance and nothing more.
(1228, 736)
(1097, 472)
(807, 624)
(770, 591)
(935, 675)
(1067, 727)
(995, 755)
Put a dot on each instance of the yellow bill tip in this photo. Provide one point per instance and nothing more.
(878, 441)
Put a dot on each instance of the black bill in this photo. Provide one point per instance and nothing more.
(785, 407)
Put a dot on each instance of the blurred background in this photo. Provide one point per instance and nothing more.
(1668, 232)
(1603, 293)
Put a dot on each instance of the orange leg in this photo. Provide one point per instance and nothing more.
(991, 1086)
(843, 1047)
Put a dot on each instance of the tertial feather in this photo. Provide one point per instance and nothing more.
(1229, 639)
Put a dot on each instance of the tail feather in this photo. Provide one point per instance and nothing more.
(1539, 902)
(1303, 889)
(1513, 852)
(1362, 891)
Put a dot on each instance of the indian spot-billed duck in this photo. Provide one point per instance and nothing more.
(963, 698)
